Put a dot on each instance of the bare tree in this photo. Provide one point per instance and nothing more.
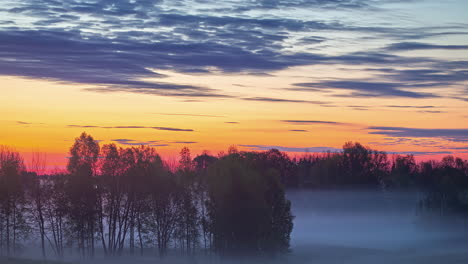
(38, 166)
(12, 222)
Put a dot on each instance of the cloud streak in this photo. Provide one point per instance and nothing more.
(309, 122)
(456, 135)
(151, 143)
(134, 127)
(293, 149)
(402, 46)
(366, 88)
(282, 100)
(132, 142)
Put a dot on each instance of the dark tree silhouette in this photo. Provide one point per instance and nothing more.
(243, 216)
(82, 192)
(13, 227)
(124, 200)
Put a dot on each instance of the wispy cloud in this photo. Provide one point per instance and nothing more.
(456, 135)
(293, 149)
(133, 127)
(83, 126)
(423, 46)
(192, 115)
(152, 143)
(411, 106)
(184, 142)
(305, 122)
(133, 142)
(282, 100)
(432, 112)
(419, 153)
(361, 88)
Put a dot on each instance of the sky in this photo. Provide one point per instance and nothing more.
(297, 75)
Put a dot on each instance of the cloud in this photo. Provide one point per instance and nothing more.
(133, 127)
(406, 82)
(231, 122)
(318, 4)
(306, 122)
(132, 142)
(152, 143)
(435, 74)
(298, 130)
(122, 140)
(455, 135)
(293, 149)
(119, 46)
(423, 46)
(366, 88)
(411, 106)
(83, 126)
(194, 115)
(418, 153)
(432, 112)
(423, 108)
(23, 123)
(172, 129)
(281, 100)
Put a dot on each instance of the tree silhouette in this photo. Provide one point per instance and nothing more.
(243, 216)
(82, 191)
(12, 200)
(128, 200)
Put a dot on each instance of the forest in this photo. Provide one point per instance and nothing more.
(114, 201)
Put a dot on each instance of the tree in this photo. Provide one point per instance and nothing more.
(202, 164)
(185, 161)
(403, 172)
(114, 202)
(362, 165)
(83, 156)
(243, 216)
(82, 191)
(12, 201)
(56, 211)
(38, 195)
(446, 186)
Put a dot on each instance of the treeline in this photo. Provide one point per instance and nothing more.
(444, 183)
(127, 201)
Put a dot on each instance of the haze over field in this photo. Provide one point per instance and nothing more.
(362, 226)
(352, 226)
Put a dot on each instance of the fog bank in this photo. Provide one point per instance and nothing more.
(348, 226)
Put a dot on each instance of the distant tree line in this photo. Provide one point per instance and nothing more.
(127, 201)
(444, 183)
